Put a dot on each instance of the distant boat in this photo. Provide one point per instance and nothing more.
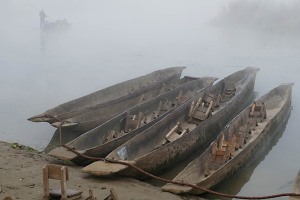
(105, 138)
(117, 93)
(190, 127)
(57, 25)
(238, 143)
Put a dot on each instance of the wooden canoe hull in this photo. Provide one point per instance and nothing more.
(194, 172)
(93, 143)
(104, 112)
(126, 89)
(141, 149)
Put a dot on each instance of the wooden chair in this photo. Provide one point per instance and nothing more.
(58, 172)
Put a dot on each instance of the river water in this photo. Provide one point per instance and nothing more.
(114, 41)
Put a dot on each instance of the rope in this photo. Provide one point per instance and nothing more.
(177, 182)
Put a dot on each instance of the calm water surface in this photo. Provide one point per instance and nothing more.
(111, 42)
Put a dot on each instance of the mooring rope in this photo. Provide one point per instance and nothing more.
(178, 182)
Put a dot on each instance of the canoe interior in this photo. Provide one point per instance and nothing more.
(148, 147)
(80, 105)
(237, 143)
(108, 136)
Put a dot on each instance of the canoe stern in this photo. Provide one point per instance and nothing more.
(102, 168)
(62, 153)
(176, 189)
(43, 117)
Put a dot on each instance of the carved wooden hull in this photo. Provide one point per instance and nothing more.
(104, 98)
(205, 171)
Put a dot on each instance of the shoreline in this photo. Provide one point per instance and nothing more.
(21, 178)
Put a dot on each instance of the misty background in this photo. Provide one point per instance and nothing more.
(113, 41)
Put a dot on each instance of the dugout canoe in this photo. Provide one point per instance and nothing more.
(100, 114)
(191, 127)
(116, 93)
(105, 138)
(76, 126)
(238, 143)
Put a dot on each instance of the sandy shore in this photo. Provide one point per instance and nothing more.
(21, 178)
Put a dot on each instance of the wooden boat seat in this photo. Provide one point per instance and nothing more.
(176, 132)
(58, 172)
(218, 159)
(133, 122)
(229, 89)
(228, 145)
(220, 155)
(200, 112)
(258, 110)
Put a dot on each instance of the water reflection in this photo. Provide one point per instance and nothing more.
(42, 41)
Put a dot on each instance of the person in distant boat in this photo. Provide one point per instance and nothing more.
(42, 19)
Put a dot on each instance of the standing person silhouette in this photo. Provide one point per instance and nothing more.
(42, 19)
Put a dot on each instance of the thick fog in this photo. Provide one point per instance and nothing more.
(112, 41)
